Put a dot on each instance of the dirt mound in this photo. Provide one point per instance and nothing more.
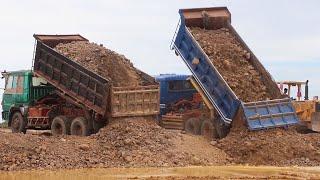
(232, 61)
(142, 142)
(280, 147)
(123, 143)
(104, 62)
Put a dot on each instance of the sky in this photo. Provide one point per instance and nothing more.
(283, 34)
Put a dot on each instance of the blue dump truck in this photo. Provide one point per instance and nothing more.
(182, 107)
(225, 107)
(173, 88)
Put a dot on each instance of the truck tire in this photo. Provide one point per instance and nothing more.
(60, 126)
(79, 127)
(208, 130)
(192, 125)
(18, 124)
(221, 128)
(97, 125)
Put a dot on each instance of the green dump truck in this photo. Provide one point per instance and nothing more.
(63, 96)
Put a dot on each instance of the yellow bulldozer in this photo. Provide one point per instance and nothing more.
(307, 110)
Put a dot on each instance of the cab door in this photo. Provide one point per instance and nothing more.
(13, 95)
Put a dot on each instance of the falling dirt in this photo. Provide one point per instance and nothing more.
(275, 147)
(104, 62)
(232, 61)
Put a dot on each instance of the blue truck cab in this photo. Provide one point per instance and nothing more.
(173, 88)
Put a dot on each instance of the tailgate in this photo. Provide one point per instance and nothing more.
(135, 101)
(269, 114)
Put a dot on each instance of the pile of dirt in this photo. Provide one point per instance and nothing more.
(276, 147)
(232, 61)
(123, 143)
(104, 62)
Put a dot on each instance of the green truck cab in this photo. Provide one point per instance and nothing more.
(61, 95)
(22, 90)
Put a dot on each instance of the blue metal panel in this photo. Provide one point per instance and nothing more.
(171, 77)
(169, 97)
(204, 72)
(259, 115)
(269, 114)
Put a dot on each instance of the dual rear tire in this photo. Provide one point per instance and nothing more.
(61, 125)
(210, 129)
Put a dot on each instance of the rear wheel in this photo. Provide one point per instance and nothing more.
(192, 125)
(79, 127)
(60, 126)
(97, 125)
(208, 130)
(18, 124)
(221, 127)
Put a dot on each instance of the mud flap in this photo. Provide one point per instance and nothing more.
(315, 121)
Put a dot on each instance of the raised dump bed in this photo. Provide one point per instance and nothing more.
(252, 91)
(88, 89)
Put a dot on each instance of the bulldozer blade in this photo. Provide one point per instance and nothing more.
(315, 121)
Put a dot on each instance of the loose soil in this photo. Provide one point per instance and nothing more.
(142, 143)
(104, 62)
(123, 143)
(293, 146)
(233, 63)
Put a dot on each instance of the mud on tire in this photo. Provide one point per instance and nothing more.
(208, 130)
(18, 124)
(192, 125)
(97, 125)
(60, 126)
(221, 128)
(79, 127)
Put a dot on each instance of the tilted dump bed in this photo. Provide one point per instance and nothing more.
(88, 89)
(212, 85)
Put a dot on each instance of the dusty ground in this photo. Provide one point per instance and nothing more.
(125, 143)
(104, 62)
(232, 61)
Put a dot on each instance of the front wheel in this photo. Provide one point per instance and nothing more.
(79, 127)
(18, 124)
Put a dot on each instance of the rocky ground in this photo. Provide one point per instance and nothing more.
(104, 62)
(124, 143)
(142, 143)
(233, 62)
